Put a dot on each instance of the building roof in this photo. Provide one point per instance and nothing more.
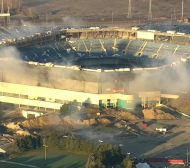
(142, 165)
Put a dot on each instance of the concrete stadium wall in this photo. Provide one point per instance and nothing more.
(169, 96)
(54, 98)
(36, 91)
(28, 102)
(179, 39)
(75, 85)
(52, 82)
(116, 96)
(145, 35)
(150, 96)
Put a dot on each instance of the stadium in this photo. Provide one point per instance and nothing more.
(101, 66)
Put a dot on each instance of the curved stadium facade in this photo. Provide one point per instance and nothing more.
(91, 66)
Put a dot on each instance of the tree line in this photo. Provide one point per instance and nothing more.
(69, 107)
(100, 155)
(27, 143)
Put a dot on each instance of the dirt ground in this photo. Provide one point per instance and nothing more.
(181, 104)
(102, 10)
(126, 130)
(174, 143)
(149, 143)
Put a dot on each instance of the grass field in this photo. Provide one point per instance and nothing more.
(55, 159)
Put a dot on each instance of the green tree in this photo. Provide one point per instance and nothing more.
(67, 108)
(38, 142)
(127, 163)
(3, 129)
(53, 140)
(93, 162)
(64, 109)
(27, 143)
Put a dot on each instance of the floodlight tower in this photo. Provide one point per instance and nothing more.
(182, 10)
(129, 10)
(2, 11)
(9, 17)
(150, 10)
(174, 15)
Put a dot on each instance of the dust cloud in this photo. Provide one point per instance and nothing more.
(73, 22)
(169, 80)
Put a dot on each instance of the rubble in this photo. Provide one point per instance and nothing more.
(157, 114)
(121, 124)
(123, 115)
(13, 126)
(104, 121)
(23, 133)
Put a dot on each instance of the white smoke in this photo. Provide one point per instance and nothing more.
(10, 52)
(73, 22)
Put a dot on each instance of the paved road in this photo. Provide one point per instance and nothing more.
(20, 164)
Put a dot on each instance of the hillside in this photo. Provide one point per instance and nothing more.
(101, 10)
(182, 104)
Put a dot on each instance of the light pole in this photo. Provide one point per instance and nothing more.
(128, 155)
(83, 81)
(45, 151)
(99, 84)
(121, 145)
(187, 157)
(112, 18)
(100, 141)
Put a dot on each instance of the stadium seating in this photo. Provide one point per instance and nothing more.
(76, 48)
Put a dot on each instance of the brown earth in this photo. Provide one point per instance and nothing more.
(123, 115)
(104, 121)
(98, 10)
(42, 121)
(109, 116)
(182, 104)
(56, 119)
(69, 121)
(13, 126)
(121, 124)
(157, 114)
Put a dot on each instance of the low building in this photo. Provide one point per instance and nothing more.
(49, 98)
(31, 114)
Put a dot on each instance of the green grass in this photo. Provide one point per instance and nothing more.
(55, 159)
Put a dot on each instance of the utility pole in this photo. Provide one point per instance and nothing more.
(45, 151)
(46, 19)
(129, 15)
(182, 5)
(187, 158)
(174, 15)
(150, 10)
(112, 17)
(9, 17)
(171, 17)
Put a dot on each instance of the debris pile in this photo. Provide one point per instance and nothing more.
(122, 115)
(17, 128)
(157, 114)
(43, 121)
(121, 124)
